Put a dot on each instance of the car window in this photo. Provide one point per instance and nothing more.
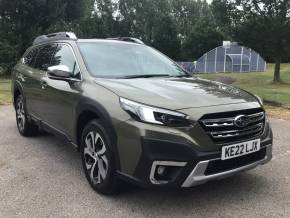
(117, 60)
(29, 58)
(43, 59)
(64, 56)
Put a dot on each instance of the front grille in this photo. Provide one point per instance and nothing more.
(222, 129)
(218, 166)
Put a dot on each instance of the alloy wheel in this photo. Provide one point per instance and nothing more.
(95, 157)
(20, 115)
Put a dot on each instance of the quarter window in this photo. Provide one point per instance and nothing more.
(29, 59)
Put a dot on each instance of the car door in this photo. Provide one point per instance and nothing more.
(60, 97)
(25, 75)
(37, 81)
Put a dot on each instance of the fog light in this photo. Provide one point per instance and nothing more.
(160, 170)
(163, 172)
(166, 173)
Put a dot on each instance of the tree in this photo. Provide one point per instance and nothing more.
(182, 29)
(22, 20)
(197, 28)
(152, 22)
(261, 24)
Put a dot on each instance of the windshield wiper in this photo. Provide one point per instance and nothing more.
(144, 76)
(180, 76)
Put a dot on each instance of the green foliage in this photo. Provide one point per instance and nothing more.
(22, 20)
(197, 27)
(183, 29)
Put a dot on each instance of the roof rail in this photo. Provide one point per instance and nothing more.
(54, 36)
(128, 39)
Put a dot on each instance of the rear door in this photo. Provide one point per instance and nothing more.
(24, 74)
(38, 79)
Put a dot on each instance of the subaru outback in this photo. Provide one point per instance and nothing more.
(135, 115)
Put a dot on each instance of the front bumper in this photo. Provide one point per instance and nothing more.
(193, 167)
(198, 175)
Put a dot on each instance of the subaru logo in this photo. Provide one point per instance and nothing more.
(242, 121)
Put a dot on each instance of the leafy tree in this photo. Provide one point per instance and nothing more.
(22, 20)
(77, 10)
(196, 27)
(202, 38)
(183, 29)
(261, 24)
(151, 21)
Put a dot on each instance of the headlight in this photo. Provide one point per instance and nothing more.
(259, 99)
(154, 115)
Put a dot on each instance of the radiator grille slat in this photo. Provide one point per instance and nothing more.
(224, 130)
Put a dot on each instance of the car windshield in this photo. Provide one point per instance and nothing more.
(126, 60)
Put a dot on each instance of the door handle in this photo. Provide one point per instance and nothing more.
(43, 84)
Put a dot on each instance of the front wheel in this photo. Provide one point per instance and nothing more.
(97, 158)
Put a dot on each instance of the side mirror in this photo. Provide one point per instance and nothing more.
(59, 72)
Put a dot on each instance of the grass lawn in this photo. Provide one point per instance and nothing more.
(259, 83)
(5, 91)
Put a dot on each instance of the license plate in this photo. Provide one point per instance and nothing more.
(236, 150)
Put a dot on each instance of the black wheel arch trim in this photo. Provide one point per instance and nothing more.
(89, 105)
(17, 86)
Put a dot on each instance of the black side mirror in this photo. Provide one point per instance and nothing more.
(60, 72)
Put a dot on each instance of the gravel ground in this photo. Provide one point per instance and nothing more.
(42, 177)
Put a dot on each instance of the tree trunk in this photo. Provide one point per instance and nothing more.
(277, 70)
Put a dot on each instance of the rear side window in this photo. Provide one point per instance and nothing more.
(29, 59)
(43, 59)
(65, 56)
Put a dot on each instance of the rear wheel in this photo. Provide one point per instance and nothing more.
(97, 158)
(25, 126)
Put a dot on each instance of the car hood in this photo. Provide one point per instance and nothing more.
(176, 93)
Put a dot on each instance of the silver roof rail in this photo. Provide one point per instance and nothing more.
(54, 36)
(128, 39)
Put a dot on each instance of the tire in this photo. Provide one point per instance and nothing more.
(25, 126)
(97, 158)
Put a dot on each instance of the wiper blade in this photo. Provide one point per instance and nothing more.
(180, 76)
(144, 76)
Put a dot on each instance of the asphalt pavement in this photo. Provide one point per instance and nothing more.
(43, 177)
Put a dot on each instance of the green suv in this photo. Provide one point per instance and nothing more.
(135, 115)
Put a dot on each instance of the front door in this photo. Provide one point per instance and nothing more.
(61, 97)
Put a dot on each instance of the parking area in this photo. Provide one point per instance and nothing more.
(43, 177)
